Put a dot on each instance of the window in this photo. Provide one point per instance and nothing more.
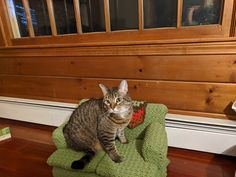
(121, 19)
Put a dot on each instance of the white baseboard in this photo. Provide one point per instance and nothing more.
(189, 132)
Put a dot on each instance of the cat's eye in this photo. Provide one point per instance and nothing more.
(118, 100)
(107, 102)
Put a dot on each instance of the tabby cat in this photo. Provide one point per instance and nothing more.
(96, 123)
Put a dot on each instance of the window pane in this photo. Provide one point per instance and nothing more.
(123, 14)
(21, 18)
(39, 16)
(64, 16)
(160, 13)
(201, 12)
(92, 15)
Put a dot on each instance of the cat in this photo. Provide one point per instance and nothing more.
(96, 123)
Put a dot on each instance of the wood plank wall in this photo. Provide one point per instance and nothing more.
(189, 80)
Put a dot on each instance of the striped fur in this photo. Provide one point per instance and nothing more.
(96, 123)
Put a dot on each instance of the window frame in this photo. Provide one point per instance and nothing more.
(123, 36)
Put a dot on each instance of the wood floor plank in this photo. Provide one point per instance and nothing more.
(23, 158)
(187, 163)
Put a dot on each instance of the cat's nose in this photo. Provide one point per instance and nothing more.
(113, 106)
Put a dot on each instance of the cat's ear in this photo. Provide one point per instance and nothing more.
(104, 89)
(123, 88)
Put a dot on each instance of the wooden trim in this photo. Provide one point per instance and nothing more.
(25, 42)
(6, 30)
(107, 16)
(227, 15)
(77, 16)
(170, 49)
(51, 17)
(233, 22)
(198, 33)
(12, 21)
(3, 39)
(202, 114)
(179, 13)
(28, 18)
(140, 14)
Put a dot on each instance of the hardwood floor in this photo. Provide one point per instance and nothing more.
(186, 163)
(22, 158)
(25, 156)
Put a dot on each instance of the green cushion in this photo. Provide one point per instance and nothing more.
(58, 137)
(132, 166)
(63, 158)
(60, 172)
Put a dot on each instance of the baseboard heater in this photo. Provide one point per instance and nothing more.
(188, 132)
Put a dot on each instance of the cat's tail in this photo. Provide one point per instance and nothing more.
(80, 164)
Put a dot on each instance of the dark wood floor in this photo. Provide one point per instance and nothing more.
(25, 156)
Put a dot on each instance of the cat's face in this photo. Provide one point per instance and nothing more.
(116, 100)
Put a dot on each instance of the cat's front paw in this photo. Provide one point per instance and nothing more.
(125, 142)
(118, 159)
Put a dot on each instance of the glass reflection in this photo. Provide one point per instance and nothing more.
(39, 16)
(201, 12)
(92, 15)
(123, 14)
(160, 13)
(64, 16)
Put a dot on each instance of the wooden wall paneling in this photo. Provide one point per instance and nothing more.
(206, 68)
(190, 96)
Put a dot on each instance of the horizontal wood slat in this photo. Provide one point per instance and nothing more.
(171, 49)
(190, 96)
(212, 68)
